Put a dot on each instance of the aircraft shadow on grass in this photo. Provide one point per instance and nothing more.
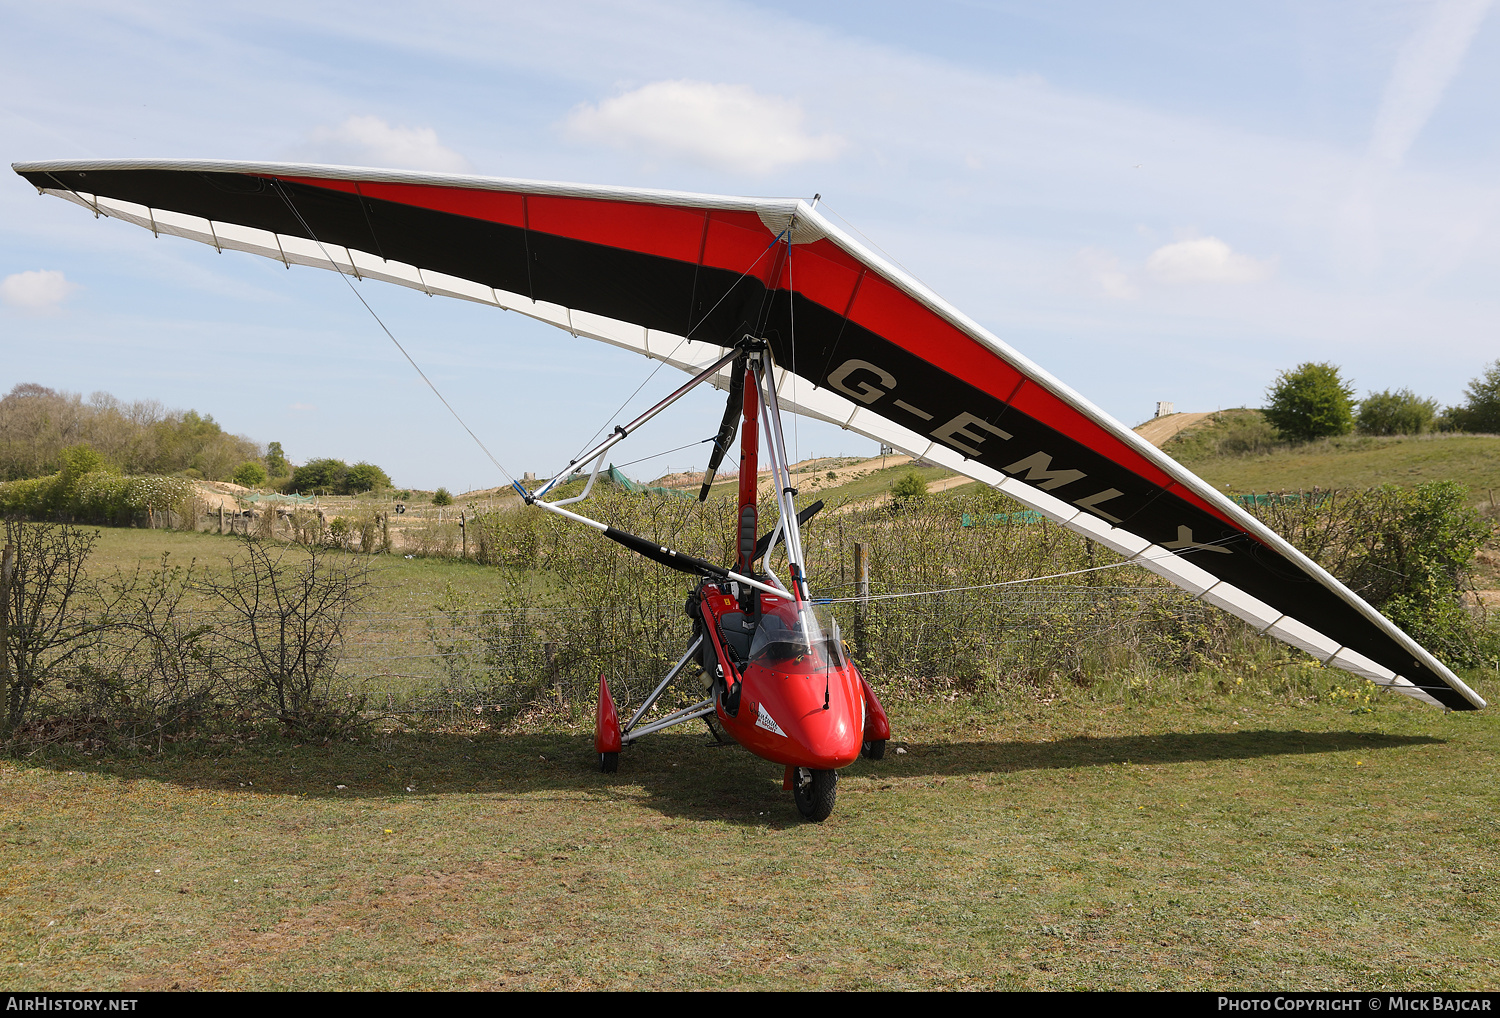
(684, 774)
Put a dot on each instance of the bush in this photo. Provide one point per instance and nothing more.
(320, 477)
(1407, 551)
(249, 474)
(909, 490)
(48, 624)
(283, 634)
(1310, 402)
(365, 477)
(335, 477)
(441, 497)
(98, 497)
(1481, 413)
(1402, 412)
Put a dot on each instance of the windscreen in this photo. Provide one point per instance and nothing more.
(790, 637)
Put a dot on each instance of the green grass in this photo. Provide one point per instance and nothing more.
(399, 584)
(1238, 841)
(1352, 461)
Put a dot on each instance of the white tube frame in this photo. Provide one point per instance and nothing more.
(621, 433)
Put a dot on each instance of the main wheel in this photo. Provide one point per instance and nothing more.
(874, 750)
(815, 792)
(609, 762)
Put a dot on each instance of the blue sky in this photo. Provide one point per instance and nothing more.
(1154, 201)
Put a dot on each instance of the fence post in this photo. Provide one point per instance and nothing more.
(862, 584)
(550, 649)
(7, 573)
(463, 530)
(221, 518)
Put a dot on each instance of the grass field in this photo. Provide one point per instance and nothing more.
(1352, 461)
(399, 584)
(1103, 839)
(1236, 842)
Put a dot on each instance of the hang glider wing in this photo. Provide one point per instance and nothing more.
(681, 277)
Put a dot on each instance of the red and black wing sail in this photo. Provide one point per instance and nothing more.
(866, 346)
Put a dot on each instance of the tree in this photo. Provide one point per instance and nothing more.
(276, 461)
(1482, 411)
(441, 497)
(1402, 412)
(43, 627)
(365, 477)
(1310, 402)
(249, 474)
(324, 476)
(909, 490)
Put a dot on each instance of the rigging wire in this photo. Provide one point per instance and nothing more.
(979, 586)
(868, 240)
(688, 335)
(659, 455)
(384, 328)
(1008, 583)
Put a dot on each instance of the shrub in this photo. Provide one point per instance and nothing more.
(320, 477)
(365, 477)
(1310, 402)
(1481, 412)
(1405, 550)
(249, 474)
(441, 497)
(909, 490)
(48, 624)
(283, 634)
(98, 497)
(1402, 412)
(335, 477)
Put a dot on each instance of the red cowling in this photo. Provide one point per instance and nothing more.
(877, 725)
(606, 721)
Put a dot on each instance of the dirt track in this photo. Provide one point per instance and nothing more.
(1159, 429)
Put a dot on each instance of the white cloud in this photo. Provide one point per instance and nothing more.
(1104, 272)
(1205, 260)
(370, 141)
(1424, 68)
(728, 127)
(37, 290)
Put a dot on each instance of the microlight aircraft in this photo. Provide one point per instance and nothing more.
(768, 299)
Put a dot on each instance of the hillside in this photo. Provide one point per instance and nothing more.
(1236, 451)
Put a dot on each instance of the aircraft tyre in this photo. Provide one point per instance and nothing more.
(874, 750)
(815, 792)
(609, 762)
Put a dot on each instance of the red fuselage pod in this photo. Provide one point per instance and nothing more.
(801, 701)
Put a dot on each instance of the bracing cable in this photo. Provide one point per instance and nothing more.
(390, 335)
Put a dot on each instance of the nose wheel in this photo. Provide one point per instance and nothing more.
(815, 792)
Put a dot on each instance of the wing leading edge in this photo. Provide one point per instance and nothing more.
(679, 277)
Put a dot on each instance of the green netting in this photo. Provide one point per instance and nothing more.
(297, 499)
(1024, 516)
(1280, 498)
(642, 489)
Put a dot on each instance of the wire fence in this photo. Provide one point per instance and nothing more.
(506, 659)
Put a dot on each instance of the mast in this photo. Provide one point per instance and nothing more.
(749, 469)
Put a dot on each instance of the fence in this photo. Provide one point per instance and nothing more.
(506, 659)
